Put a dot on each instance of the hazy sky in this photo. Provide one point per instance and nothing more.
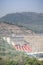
(12, 6)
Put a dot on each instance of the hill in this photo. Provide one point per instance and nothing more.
(30, 20)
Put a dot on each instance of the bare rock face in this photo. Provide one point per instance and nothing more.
(20, 36)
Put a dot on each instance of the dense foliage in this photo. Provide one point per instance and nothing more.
(20, 60)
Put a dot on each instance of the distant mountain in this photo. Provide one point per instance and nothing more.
(30, 20)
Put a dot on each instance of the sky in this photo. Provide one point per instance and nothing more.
(13, 6)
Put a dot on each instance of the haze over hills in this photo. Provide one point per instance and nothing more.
(30, 20)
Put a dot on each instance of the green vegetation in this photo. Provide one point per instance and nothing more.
(31, 20)
(13, 57)
(20, 60)
(9, 56)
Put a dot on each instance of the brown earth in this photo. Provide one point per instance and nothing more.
(27, 36)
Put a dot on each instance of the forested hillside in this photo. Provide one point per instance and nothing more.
(30, 20)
